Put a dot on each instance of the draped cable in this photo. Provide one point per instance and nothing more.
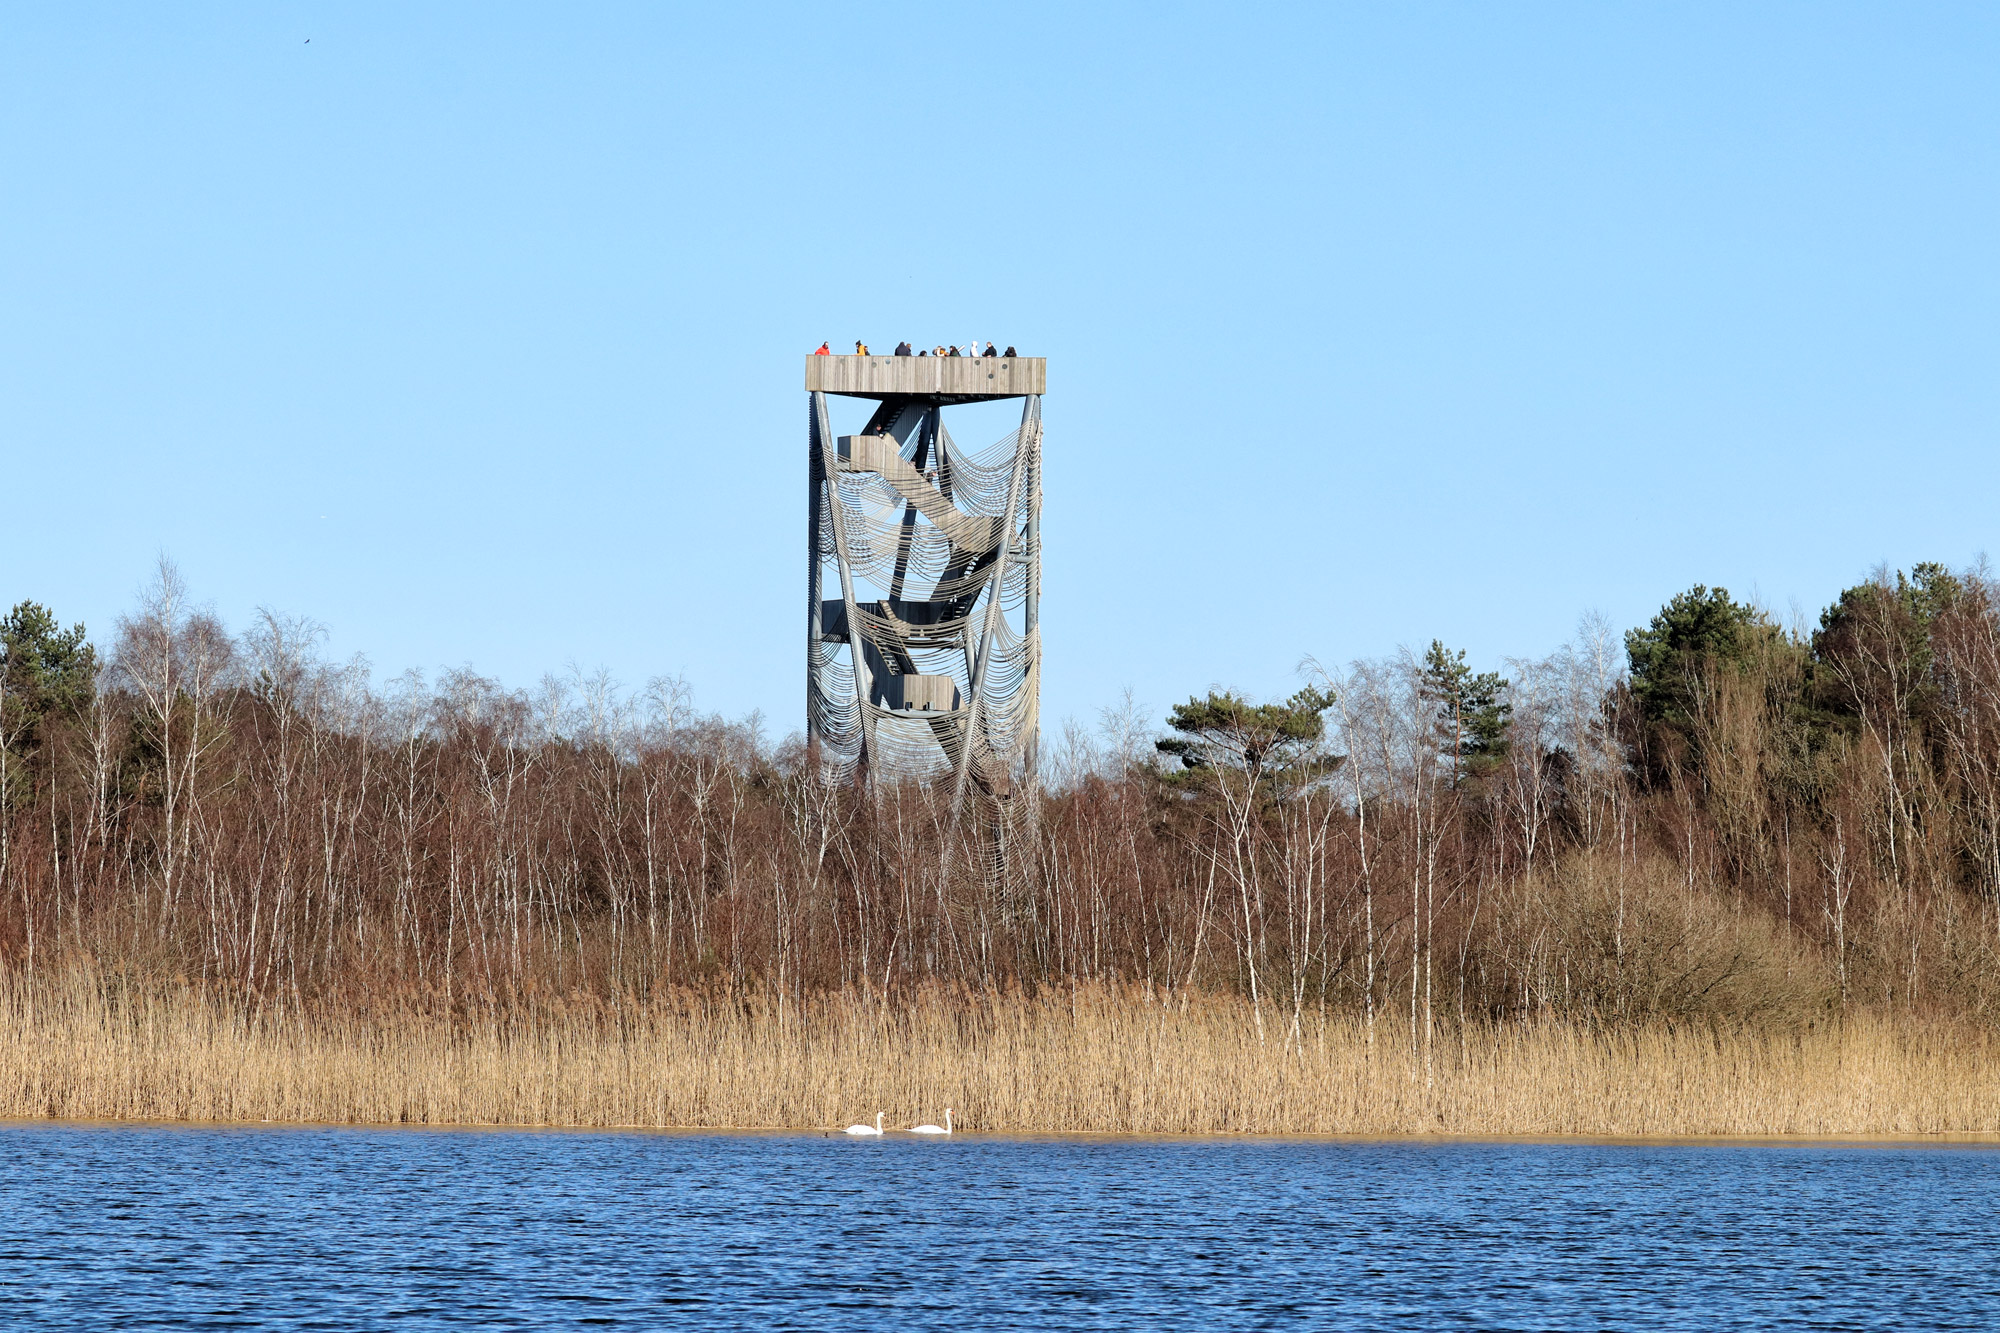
(922, 544)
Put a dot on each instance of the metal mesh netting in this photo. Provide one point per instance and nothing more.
(924, 531)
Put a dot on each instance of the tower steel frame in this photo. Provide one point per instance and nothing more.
(927, 663)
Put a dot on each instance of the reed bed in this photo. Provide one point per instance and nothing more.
(1090, 1060)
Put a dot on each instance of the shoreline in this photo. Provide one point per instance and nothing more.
(1967, 1139)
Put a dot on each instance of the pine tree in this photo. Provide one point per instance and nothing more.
(46, 673)
(1470, 713)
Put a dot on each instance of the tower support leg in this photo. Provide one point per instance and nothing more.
(995, 587)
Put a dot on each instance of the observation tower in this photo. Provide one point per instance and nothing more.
(923, 654)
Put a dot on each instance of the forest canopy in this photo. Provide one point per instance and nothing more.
(1720, 817)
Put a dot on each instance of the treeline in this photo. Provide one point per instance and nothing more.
(1718, 816)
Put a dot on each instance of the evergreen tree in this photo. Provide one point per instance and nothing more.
(1258, 740)
(1873, 645)
(1469, 712)
(46, 673)
(1697, 632)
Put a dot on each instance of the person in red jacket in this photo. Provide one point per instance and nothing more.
(823, 351)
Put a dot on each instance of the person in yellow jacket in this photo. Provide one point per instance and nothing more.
(860, 348)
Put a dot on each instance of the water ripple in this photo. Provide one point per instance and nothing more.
(360, 1229)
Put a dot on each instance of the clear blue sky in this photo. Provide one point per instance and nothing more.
(475, 331)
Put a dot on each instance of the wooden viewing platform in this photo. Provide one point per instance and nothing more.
(947, 379)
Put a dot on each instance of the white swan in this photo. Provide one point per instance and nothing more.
(933, 1129)
(875, 1130)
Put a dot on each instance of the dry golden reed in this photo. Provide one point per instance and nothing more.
(1089, 1060)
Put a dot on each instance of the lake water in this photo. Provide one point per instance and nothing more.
(353, 1229)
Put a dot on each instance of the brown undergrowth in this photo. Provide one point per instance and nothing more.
(1088, 1060)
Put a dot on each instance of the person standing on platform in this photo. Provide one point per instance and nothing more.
(903, 348)
(823, 351)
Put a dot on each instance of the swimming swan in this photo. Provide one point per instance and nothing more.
(933, 1129)
(875, 1131)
